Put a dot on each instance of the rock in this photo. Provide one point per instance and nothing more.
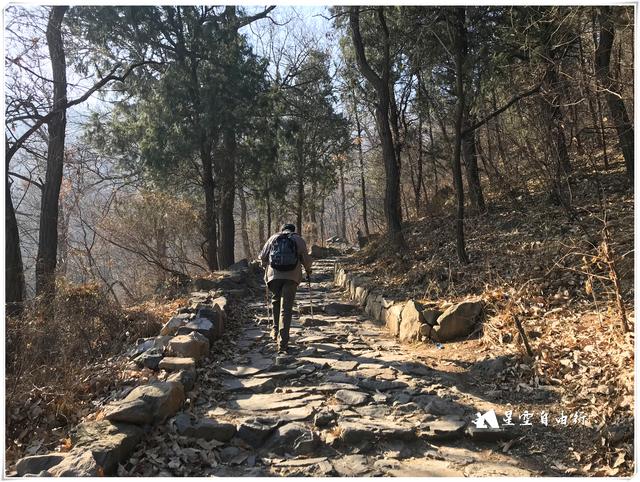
(493, 469)
(353, 433)
(194, 345)
(425, 330)
(446, 428)
(392, 318)
(373, 306)
(174, 364)
(320, 252)
(205, 429)
(351, 397)
(239, 266)
(272, 401)
(440, 406)
(187, 378)
(340, 309)
(293, 437)
(110, 443)
(201, 325)
(256, 385)
(411, 321)
(256, 430)
(489, 434)
(457, 321)
(351, 465)
(431, 316)
(360, 296)
(308, 321)
(149, 359)
(171, 327)
(77, 463)
(414, 368)
(146, 344)
(220, 302)
(324, 418)
(147, 403)
(37, 463)
(216, 316)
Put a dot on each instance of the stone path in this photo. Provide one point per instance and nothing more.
(351, 401)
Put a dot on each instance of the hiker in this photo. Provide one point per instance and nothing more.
(283, 255)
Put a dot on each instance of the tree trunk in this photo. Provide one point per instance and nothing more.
(269, 220)
(246, 245)
(382, 85)
(363, 187)
(343, 205)
(323, 235)
(459, 49)
(227, 178)
(470, 157)
(262, 238)
(300, 202)
(210, 230)
(14, 270)
(623, 124)
(313, 219)
(48, 234)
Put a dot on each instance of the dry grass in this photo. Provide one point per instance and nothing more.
(62, 356)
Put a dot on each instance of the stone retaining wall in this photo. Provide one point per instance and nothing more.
(410, 320)
(184, 342)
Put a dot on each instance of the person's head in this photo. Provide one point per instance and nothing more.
(289, 227)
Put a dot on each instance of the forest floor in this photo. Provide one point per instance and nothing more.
(549, 272)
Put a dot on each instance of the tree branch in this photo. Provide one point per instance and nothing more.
(501, 109)
(10, 151)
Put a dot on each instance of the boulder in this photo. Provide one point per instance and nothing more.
(220, 302)
(351, 397)
(360, 295)
(216, 315)
(202, 325)
(292, 437)
(174, 364)
(78, 463)
(149, 359)
(457, 321)
(339, 309)
(309, 321)
(353, 433)
(171, 327)
(110, 443)
(146, 344)
(393, 317)
(187, 378)
(147, 403)
(35, 464)
(425, 330)
(194, 345)
(256, 430)
(446, 428)
(205, 429)
(431, 316)
(411, 320)
(324, 418)
(373, 307)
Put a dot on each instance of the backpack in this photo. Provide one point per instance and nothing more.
(283, 255)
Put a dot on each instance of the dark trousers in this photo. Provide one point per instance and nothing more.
(283, 294)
